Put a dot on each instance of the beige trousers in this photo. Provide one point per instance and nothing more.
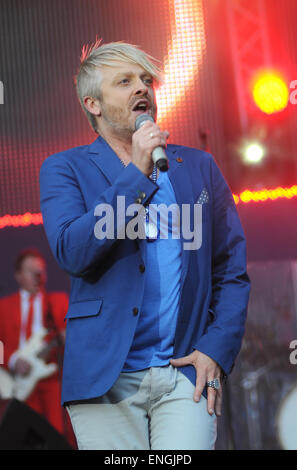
(150, 409)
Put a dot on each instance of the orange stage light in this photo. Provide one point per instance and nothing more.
(266, 194)
(21, 220)
(270, 92)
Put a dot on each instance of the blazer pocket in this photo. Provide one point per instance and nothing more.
(86, 308)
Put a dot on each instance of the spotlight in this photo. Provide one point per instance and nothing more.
(253, 153)
(270, 92)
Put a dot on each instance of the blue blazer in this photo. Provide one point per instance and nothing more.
(107, 276)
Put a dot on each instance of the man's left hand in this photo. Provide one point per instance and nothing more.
(206, 370)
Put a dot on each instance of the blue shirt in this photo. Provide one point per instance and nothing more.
(154, 336)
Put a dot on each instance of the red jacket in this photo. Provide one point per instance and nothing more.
(10, 318)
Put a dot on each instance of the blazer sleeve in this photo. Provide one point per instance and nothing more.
(230, 281)
(69, 226)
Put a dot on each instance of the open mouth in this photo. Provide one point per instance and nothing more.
(142, 106)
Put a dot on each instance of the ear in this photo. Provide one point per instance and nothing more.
(92, 105)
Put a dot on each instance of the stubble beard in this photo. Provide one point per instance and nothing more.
(118, 119)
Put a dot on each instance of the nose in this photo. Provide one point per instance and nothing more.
(140, 87)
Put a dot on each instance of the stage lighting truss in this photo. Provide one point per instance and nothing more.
(250, 48)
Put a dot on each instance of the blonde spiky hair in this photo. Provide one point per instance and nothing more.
(96, 55)
(87, 49)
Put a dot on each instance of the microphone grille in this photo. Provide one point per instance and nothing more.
(140, 120)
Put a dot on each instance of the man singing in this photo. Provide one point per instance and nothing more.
(154, 323)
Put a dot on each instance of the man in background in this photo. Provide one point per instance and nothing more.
(22, 315)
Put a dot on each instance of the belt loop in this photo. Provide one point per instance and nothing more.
(173, 374)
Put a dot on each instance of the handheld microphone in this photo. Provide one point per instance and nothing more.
(158, 154)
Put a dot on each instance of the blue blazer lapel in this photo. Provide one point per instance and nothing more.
(105, 159)
(179, 177)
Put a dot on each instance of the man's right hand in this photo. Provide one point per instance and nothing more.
(22, 367)
(144, 141)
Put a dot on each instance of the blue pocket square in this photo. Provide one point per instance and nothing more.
(204, 197)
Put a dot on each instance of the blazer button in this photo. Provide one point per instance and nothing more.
(138, 200)
(142, 195)
(135, 311)
(141, 268)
